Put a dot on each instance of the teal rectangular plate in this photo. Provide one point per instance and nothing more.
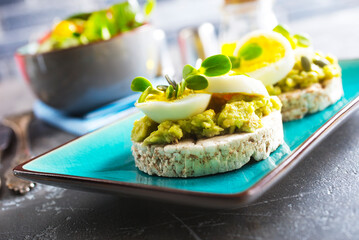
(102, 160)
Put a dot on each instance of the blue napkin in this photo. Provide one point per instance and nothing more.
(89, 122)
(92, 120)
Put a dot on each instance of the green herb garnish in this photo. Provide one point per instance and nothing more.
(282, 30)
(302, 41)
(140, 84)
(181, 87)
(197, 82)
(83, 16)
(295, 40)
(216, 65)
(169, 92)
(173, 90)
(236, 62)
(193, 79)
(188, 70)
(213, 66)
(250, 51)
(149, 6)
(143, 96)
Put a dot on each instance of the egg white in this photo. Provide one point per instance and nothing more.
(276, 71)
(236, 84)
(160, 111)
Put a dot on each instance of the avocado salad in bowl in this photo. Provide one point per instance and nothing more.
(212, 121)
(305, 80)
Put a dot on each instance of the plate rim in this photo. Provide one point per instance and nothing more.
(217, 199)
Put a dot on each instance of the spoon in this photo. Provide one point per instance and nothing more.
(19, 124)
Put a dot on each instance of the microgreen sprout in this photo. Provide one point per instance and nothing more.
(140, 84)
(180, 88)
(282, 30)
(213, 66)
(188, 70)
(197, 82)
(236, 62)
(250, 51)
(169, 92)
(302, 41)
(149, 6)
(145, 93)
(193, 79)
(216, 65)
(295, 40)
(172, 91)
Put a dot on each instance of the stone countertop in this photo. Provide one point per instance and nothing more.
(318, 199)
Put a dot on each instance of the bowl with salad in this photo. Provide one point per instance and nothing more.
(89, 59)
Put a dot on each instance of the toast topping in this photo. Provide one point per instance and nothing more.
(241, 113)
(306, 72)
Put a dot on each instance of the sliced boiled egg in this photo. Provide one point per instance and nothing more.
(190, 105)
(235, 84)
(274, 63)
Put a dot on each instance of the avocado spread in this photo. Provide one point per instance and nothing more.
(307, 72)
(240, 113)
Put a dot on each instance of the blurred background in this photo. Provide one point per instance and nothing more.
(24, 20)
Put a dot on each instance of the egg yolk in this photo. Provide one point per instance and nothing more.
(272, 51)
(161, 96)
(228, 48)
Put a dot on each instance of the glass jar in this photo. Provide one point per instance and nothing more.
(239, 17)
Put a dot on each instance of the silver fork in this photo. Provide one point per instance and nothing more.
(19, 124)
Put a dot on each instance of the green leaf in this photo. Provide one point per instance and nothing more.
(216, 65)
(188, 70)
(149, 6)
(282, 30)
(181, 88)
(286, 33)
(169, 92)
(76, 34)
(83, 16)
(302, 41)
(99, 27)
(196, 82)
(140, 84)
(236, 62)
(250, 51)
(177, 90)
(124, 15)
(144, 95)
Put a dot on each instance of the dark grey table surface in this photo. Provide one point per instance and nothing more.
(318, 199)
